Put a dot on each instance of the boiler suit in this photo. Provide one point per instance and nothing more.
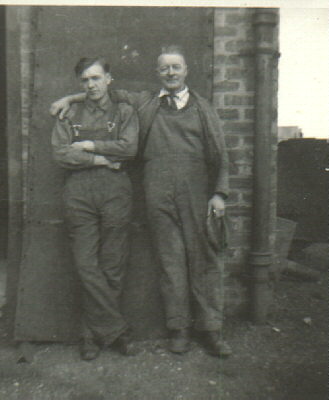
(97, 202)
(181, 150)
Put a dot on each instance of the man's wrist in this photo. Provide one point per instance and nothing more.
(100, 160)
(221, 194)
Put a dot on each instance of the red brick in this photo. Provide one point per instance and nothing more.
(225, 31)
(222, 59)
(234, 19)
(238, 100)
(237, 73)
(240, 154)
(248, 140)
(228, 114)
(250, 82)
(232, 141)
(239, 210)
(226, 86)
(249, 114)
(217, 74)
(236, 46)
(239, 238)
(247, 197)
(238, 127)
(233, 169)
(233, 197)
(236, 224)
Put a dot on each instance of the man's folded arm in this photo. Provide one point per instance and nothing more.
(67, 156)
(125, 147)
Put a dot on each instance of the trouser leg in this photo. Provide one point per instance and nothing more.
(168, 242)
(170, 250)
(177, 203)
(101, 316)
(206, 268)
(114, 249)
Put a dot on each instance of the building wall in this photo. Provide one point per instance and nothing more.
(233, 96)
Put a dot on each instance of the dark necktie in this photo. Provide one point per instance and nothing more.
(172, 102)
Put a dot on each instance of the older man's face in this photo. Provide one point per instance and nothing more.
(94, 81)
(172, 71)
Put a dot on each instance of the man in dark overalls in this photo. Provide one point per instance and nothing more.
(185, 182)
(92, 143)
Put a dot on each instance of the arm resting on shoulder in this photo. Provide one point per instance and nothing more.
(61, 107)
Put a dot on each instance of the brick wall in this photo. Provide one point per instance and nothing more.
(233, 96)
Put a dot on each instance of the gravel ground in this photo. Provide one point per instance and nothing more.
(286, 359)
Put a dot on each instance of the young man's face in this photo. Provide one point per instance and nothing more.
(94, 81)
(172, 71)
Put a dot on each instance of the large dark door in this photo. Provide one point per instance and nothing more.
(3, 141)
(48, 296)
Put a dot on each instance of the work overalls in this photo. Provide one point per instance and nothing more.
(176, 189)
(97, 209)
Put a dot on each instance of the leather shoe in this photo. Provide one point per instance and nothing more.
(179, 341)
(124, 345)
(216, 346)
(89, 350)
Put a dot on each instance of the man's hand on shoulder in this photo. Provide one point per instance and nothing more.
(60, 108)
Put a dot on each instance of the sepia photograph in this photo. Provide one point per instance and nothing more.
(164, 187)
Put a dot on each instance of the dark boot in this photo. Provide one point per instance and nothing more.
(124, 345)
(216, 346)
(179, 341)
(89, 350)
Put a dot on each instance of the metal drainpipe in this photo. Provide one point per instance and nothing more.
(265, 21)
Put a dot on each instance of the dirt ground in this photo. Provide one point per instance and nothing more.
(286, 359)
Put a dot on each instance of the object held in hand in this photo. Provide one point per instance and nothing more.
(217, 231)
(217, 213)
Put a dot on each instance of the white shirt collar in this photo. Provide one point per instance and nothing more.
(181, 97)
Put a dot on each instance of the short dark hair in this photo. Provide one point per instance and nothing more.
(173, 49)
(86, 62)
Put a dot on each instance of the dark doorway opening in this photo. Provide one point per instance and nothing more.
(3, 160)
(3, 142)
